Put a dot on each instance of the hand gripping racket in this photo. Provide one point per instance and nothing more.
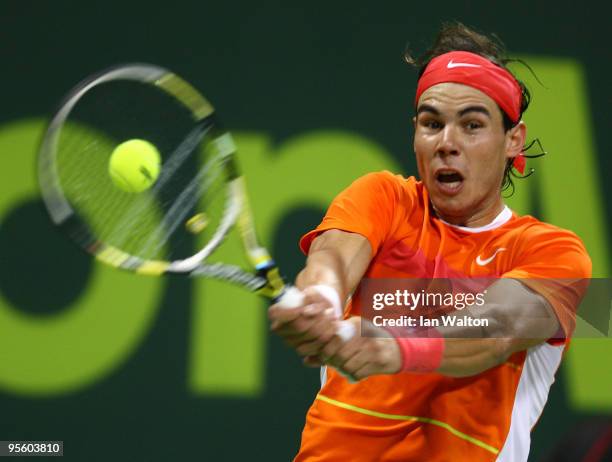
(192, 198)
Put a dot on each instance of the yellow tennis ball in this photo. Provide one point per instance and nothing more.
(134, 165)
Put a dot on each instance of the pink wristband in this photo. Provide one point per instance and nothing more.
(420, 354)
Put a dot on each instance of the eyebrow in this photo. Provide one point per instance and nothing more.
(481, 109)
(461, 113)
(427, 108)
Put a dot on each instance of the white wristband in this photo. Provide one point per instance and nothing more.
(346, 330)
(331, 295)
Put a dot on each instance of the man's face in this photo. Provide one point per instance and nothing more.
(461, 150)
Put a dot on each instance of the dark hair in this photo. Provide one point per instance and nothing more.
(455, 36)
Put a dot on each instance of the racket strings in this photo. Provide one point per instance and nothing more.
(123, 230)
(98, 203)
(192, 179)
(85, 156)
(204, 183)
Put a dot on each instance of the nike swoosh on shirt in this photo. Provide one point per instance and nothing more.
(451, 64)
(481, 262)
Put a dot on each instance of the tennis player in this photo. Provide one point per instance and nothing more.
(427, 395)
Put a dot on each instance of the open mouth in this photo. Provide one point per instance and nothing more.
(449, 180)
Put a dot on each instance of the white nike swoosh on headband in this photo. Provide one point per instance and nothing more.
(451, 64)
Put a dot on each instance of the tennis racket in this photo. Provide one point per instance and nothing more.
(194, 201)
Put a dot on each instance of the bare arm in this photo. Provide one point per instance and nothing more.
(337, 259)
(518, 319)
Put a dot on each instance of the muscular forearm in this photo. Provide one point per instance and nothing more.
(466, 357)
(336, 262)
(337, 259)
(518, 319)
(323, 267)
(514, 319)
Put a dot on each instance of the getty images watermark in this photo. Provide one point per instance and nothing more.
(432, 301)
(483, 307)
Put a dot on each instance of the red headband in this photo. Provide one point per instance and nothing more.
(478, 72)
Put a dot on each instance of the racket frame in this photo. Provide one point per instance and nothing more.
(265, 280)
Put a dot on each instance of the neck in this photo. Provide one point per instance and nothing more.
(480, 218)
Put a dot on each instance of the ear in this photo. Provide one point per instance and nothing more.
(515, 139)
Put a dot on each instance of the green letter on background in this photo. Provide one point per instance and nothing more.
(57, 354)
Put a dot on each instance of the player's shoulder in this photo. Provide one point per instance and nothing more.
(533, 229)
(536, 236)
(558, 252)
